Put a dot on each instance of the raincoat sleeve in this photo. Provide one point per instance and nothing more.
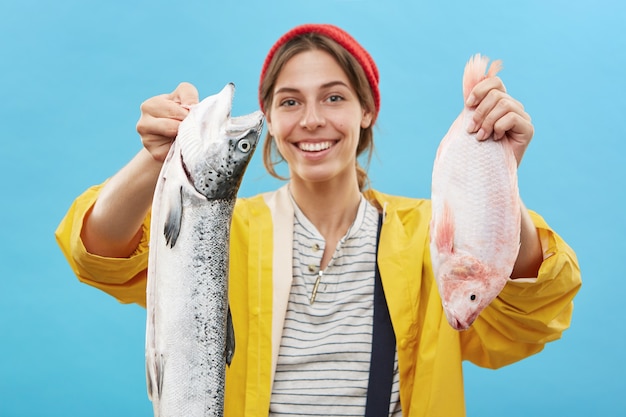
(528, 312)
(123, 278)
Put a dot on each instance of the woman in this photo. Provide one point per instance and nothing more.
(304, 257)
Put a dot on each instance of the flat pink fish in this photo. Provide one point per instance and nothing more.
(475, 225)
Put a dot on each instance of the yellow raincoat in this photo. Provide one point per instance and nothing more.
(527, 314)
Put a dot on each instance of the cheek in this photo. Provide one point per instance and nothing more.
(277, 131)
(281, 145)
(279, 126)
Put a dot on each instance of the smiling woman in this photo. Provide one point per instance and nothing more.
(358, 74)
(309, 261)
(315, 121)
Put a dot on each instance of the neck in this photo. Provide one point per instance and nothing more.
(331, 207)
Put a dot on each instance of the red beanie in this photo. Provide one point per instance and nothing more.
(342, 38)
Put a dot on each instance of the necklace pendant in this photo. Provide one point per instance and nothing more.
(315, 286)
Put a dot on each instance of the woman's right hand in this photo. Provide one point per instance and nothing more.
(160, 117)
(113, 227)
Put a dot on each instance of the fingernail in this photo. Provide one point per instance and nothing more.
(480, 135)
(471, 100)
(471, 127)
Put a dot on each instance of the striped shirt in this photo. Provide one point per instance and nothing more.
(324, 358)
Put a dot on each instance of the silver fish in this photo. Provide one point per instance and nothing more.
(189, 332)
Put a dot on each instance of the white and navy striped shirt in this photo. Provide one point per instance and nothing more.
(324, 358)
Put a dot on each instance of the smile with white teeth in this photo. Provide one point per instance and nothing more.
(314, 146)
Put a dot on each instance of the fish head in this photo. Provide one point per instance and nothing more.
(216, 148)
(466, 287)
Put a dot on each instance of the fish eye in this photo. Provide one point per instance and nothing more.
(244, 145)
(473, 297)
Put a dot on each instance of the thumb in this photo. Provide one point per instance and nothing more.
(185, 94)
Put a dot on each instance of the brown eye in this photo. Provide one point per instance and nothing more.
(335, 98)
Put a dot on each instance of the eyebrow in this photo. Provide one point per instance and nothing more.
(323, 86)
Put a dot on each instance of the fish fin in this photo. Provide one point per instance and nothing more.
(154, 373)
(160, 367)
(445, 231)
(151, 366)
(475, 72)
(229, 352)
(149, 382)
(174, 219)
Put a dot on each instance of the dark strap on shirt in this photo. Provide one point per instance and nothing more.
(383, 350)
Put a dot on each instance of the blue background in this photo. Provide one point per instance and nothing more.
(73, 74)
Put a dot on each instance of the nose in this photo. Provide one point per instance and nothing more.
(312, 117)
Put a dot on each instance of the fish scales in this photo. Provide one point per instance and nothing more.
(189, 340)
(475, 225)
(195, 302)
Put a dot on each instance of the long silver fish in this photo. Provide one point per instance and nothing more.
(189, 333)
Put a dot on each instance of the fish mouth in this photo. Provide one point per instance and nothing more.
(220, 106)
(240, 126)
(214, 147)
(244, 125)
(458, 323)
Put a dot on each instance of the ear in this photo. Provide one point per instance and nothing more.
(268, 124)
(366, 119)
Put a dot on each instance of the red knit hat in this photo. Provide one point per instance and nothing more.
(342, 38)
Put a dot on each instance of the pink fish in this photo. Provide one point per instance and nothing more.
(475, 225)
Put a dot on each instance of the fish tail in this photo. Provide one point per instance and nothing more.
(475, 70)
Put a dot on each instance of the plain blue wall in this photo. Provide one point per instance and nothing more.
(73, 74)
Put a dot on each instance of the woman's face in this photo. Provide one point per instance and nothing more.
(316, 118)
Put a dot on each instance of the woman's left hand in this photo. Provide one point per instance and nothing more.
(497, 113)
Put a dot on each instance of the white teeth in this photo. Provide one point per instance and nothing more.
(314, 147)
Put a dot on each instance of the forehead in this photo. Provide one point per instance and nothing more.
(310, 68)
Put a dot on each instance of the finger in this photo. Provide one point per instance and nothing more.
(514, 126)
(158, 127)
(483, 110)
(157, 135)
(482, 89)
(163, 107)
(185, 94)
(494, 109)
(519, 132)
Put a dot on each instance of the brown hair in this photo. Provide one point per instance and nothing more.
(356, 76)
